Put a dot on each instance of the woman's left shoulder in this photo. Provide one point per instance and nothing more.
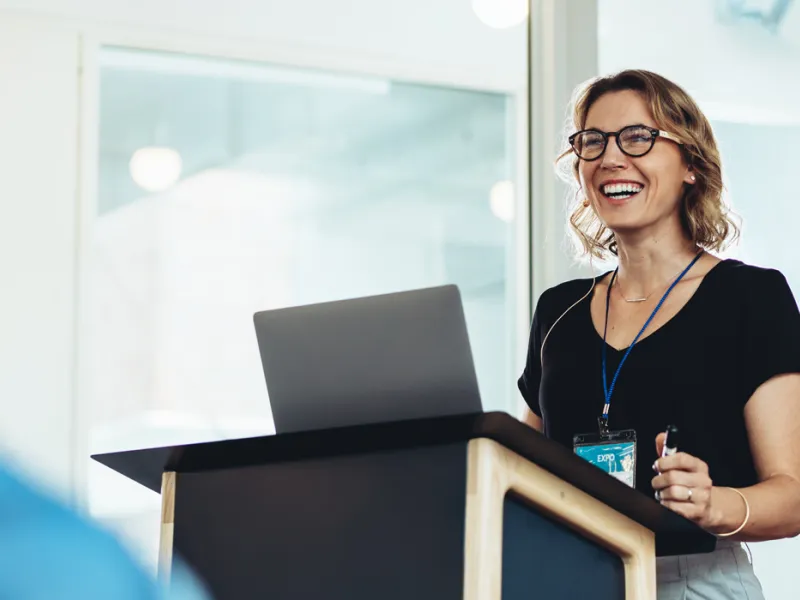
(751, 282)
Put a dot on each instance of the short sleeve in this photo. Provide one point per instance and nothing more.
(528, 382)
(772, 330)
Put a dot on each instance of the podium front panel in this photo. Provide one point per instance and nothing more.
(545, 559)
(386, 525)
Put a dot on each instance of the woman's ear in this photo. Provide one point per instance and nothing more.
(690, 177)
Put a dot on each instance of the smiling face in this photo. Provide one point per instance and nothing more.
(633, 195)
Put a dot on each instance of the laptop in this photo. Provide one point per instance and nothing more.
(374, 359)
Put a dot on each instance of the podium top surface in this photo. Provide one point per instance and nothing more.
(674, 534)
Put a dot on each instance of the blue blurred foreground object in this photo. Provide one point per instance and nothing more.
(48, 552)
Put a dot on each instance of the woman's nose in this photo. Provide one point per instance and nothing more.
(613, 157)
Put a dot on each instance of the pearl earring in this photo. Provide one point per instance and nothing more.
(693, 178)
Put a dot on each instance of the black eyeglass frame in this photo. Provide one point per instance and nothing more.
(656, 133)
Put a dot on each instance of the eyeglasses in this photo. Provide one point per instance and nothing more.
(633, 140)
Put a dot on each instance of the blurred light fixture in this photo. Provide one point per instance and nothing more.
(501, 201)
(156, 168)
(501, 14)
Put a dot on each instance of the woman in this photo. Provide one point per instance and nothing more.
(673, 335)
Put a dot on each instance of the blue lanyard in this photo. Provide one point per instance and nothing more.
(603, 420)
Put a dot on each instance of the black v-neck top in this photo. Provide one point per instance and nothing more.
(697, 371)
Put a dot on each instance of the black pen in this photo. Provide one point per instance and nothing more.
(670, 447)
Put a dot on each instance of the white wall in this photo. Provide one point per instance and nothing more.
(442, 36)
(38, 166)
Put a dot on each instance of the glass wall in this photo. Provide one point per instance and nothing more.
(741, 62)
(226, 188)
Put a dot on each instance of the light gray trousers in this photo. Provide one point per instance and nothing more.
(725, 574)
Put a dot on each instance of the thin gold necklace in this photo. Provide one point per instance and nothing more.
(619, 290)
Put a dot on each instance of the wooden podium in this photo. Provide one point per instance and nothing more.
(472, 507)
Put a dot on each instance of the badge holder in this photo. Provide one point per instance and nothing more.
(612, 451)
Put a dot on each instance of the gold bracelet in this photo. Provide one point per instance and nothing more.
(746, 515)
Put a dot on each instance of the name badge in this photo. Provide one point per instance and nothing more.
(614, 452)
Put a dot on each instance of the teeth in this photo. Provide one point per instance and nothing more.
(622, 188)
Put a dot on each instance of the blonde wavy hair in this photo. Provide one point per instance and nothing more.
(705, 218)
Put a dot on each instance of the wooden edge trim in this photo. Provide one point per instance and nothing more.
(167, 526)
(493, 471)
(483, 536)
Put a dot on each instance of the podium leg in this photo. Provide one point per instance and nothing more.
(167, 526)
(495, 473)
(483, 540)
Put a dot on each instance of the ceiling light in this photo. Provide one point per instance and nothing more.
(501, 14)
(156, 168)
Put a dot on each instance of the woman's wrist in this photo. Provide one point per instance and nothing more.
(727, 509)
